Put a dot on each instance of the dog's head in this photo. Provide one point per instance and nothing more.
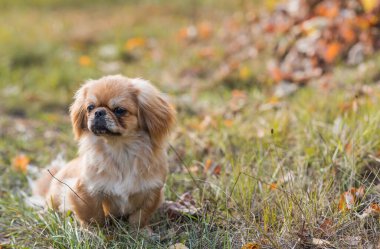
(117, 107)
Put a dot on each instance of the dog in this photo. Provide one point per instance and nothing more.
(122, 126)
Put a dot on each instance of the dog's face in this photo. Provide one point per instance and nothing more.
(116, 107)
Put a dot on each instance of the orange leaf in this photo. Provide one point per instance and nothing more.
(276, 74)
(134, 43)
(273, 186)
(228, 122)
(85, 61)
(217, 170)
(204, 30)
(375, 207)
(332, 51)
(207, 165)
(348, 33)
(251, 245)
(347, 201)
(20, 163)
(328, 9)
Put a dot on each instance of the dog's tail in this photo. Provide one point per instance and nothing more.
(40, 187)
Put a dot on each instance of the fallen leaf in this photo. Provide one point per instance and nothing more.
(228, 123)
(188, 33)
(217, 169)
(251, 245)
(332, 51)
(327, 9)
(244, 73)
(348, 33)
(327, 227)
(276, 74)
(184, 206)
(20, 163)
(273, 186)
(85, 61)
(134, 43)
(214, 168)
(204, 30)
(373, 209)
(207, 165)
(347, 201)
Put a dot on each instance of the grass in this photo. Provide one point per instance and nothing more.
(261, 169)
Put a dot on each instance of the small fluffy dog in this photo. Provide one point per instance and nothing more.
(122, 125)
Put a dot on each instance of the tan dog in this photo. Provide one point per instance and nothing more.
(122, 125)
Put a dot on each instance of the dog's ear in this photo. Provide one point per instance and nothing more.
(78, 113)
(155, 114)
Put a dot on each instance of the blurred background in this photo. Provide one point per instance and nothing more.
(270, 95)
(50, 46)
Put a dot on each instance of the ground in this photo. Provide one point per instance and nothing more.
(261, 169)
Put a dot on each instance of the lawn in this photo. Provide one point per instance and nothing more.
(263, 170)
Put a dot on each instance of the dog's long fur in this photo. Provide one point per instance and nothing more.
(122, 166)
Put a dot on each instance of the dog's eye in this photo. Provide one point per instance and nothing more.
(90, 108)
(119, 111)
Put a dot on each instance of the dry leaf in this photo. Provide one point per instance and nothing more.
(185, 205)
(276, 74)
(251, 245)
(347, 199)
(85, 61)
(214, 168)
(244, 73)
(373, 209)
(228, 123)
(217, 169)
(273, 186)
(348, 33)
(204, 30)
(20, 163)
(332, 51)
(134, 43)
(327, 227)
(207, 165)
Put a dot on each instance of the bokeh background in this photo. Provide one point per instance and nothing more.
(277, 139)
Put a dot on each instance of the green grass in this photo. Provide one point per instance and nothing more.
(326, 140)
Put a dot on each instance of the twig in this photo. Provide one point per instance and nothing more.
(67, 186)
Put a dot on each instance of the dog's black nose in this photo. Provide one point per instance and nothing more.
(100, 113)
